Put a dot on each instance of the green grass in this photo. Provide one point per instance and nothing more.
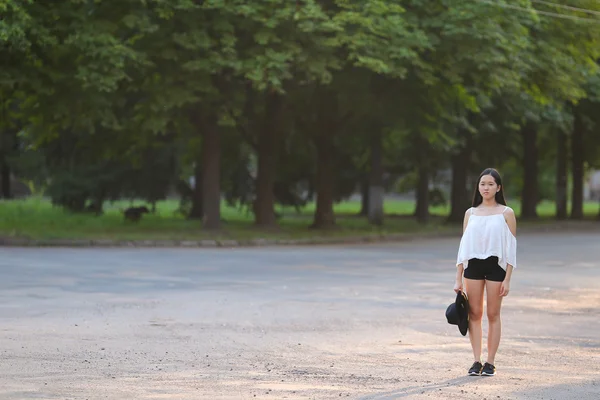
(36, 218)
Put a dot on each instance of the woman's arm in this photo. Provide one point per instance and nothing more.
(458, 286)
(511, 220)
(505, 287)
(466, 219)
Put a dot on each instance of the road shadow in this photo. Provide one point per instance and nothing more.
(586, 390)
(420, 389)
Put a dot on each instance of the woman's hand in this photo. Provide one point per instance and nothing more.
(458, 286)
(504, 288)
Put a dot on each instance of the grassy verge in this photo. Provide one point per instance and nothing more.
(36, 218)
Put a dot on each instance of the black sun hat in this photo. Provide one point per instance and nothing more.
(457, 313)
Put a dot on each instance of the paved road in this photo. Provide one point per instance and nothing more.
(359, 322)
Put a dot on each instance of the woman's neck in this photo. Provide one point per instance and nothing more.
(489, 203)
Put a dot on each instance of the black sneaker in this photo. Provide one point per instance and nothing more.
(488, 370)
(476, 369)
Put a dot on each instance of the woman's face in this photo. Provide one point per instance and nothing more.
(488, 187)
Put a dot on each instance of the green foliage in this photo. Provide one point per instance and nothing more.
(105, 99)
(35, 218)
(72, 189)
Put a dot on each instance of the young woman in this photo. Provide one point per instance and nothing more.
(486, 256)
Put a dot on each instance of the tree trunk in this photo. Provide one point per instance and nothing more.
(5, 178)
(422, 207)
(326, 129)
(529, 195)
(459, 196)
(364, 197)
(422, 210)
(267, 161)
(196, 211)
(577, 149)
(324, 217)
(211, 175)
(8, 144)
(376, 192)
(561, 175)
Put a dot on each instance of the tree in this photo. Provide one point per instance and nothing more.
(466, 64)
(584, 141)
(374, 37)
(9, 143)
(565, 53)
(64, 76)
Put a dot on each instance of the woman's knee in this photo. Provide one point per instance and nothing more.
(475, 313)
(493, 315)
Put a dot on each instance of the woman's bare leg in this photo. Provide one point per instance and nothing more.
(494, 303)
(474, 289)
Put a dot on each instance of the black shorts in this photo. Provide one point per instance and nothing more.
(487, 269)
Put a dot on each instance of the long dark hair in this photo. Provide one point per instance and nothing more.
(478, 199)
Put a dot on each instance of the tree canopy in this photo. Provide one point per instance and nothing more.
(278, 101)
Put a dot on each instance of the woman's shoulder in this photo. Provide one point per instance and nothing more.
(470, 211)
(508, 210)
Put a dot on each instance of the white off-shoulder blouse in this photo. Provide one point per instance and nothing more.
(487, 236)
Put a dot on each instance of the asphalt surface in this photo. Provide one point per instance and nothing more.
(359, 322)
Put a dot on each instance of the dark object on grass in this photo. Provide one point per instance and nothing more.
(95, 208)
(134, 214)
